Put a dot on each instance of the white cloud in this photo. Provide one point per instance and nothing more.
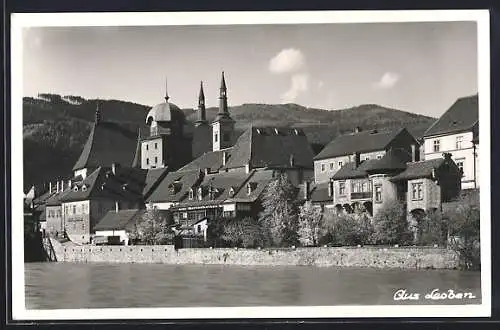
(288, 60)
(388, 80)
(299, 84)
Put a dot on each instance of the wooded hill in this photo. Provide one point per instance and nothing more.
(56, 127)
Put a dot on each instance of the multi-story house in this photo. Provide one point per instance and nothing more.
(457, 132)
(367, 145)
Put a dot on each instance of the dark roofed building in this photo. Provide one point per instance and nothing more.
(457, 132)
(115, 226)
(174, 188)
(212, 160)
(461, 116)
(360, 146)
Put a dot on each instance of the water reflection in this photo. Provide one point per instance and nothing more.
(65, 285)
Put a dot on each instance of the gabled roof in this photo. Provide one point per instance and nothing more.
(364, 141)
(461, 116)
(211, 160)
(350, 171)
(258, 181)
(422, 169)
(107, 143)
(127, 184)
(271, 147)
(55, 199)
(393, 160)
(123, 219)
(174, 186)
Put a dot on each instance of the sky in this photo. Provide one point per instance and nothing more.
(416, 67)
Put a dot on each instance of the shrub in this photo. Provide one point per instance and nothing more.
(244, 232)
(391, 225)
(464, 231)
(347, 229)
(310, 225)
(432, 229)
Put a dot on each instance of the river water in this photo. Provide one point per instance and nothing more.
(68, 285)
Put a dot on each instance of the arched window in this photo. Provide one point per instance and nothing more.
(191, 194)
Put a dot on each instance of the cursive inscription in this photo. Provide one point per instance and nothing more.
(435, 294)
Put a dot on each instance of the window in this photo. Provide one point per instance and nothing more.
(147, 146)
(156, 160)
(437, 145)
(378, 193)
(416, 191)
(460, 164)
(322, 167)
(341, 163)
(367, 158)
(342, 188)
(191, 193)
(216, 137)
(200, 193)
(156, 145)
(331, 166)
(74, 209)
(379, 156)
(458, 143)
(199, 229)
(147, 161)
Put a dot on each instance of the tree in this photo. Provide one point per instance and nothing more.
(153, 228)
(244, 232)
(344, 229)
(391, 225)
(464, 230)
(310, 225)
(279, 217)
(432, 229)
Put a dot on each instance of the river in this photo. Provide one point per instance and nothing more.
(68, 285)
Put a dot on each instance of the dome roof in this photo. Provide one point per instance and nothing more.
(165, 111)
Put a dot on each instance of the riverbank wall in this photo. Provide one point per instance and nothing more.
(374, 257)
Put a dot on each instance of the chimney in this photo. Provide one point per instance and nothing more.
(413, 153)
(62, 185)
(356, 159)
(207, 170)
(224, 158)
(292, 160)
(117, 206)
(50, 187)
(307, 185)
(57, 186)
(247, 168)
(357, 129)
(69, 183)
(330, 188)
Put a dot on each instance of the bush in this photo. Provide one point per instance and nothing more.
(432, 229)
(464, 232)
(391, 225)
(310, 225)
(347, 229)
(244, 232)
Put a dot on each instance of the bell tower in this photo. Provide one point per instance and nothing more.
(223, 124)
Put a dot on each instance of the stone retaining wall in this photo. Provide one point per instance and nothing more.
(411, 258)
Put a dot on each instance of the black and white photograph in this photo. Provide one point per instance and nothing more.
(250, 165)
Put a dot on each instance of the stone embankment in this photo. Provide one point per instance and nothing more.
(375, 257)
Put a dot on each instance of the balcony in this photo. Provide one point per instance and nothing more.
(361, 195)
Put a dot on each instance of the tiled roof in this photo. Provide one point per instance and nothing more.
(393, 160)
(462, 115)
(211, 160)
(271, 147)
(153, 178)
(123, 219)
(258, 181)
(107, 143)
(364, 141)
(174, 186)
(420, 169)
(54, 199)
(127, 184)
(350, 171)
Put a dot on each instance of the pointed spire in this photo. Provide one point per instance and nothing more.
(202, 117)
(223, 83)
(97, 114)
(136, 163)
(166, 90)
(223, 111)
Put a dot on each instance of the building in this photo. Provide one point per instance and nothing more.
(116, 226)
(457, 132)
(166, 145)
(368, 145)
(366, 186)
(108, 143)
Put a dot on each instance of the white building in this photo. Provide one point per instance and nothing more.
(457, 132)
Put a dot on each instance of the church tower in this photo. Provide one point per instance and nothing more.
(202, 115)
(223, 124)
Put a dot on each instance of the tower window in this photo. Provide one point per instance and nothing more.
(156, 145)
(156, 160)
(147, 146)
(147, 161)
(216, 137)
